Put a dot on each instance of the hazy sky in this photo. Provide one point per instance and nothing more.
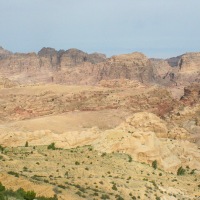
(158, 28)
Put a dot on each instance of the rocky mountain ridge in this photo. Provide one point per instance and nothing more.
(76, 67)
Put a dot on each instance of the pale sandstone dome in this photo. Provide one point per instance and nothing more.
(139, 137)
(144, 136)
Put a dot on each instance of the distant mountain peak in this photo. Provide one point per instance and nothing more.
(4, 51)
(46, 51)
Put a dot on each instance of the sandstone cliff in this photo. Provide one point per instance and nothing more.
(133, 66)
(179, 71)
(75, 67)
(41, 67)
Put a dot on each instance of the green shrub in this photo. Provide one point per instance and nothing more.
(77, 163)
(1, 148)
(46, 198)
(95, 194)
(119, 198)
(29, 195)
(2, 197)
(52, 146)
(154, 184)
(193, 171)
(25, 169)
(21, 194)
(62, 186)
(101, 182)
(79, 193)
(180, 171)
(26, 144)
(103, 154)
(129, 158)
(105, 196)
(13, 173)
(155, 164)
(2, 188)
(114, 187)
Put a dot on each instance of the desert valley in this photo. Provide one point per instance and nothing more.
(78, 126)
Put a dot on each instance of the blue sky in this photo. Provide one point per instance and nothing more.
(158, 28)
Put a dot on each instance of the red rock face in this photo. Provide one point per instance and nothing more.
(18, 104)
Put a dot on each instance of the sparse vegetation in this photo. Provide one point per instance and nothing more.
(118, 197)
(114, 187)
(181, 171)
(26, 144)
(13, 173)
(1, 148)
(105, 196)
(51, 146)
(155, 164)
(105, 169)
(103, 154)
(77, 163)
(21, 194)
(129, 158)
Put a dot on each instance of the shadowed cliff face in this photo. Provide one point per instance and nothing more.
(69, 58)
(191, 94)
(42, 67)
(178, 71)
(75, 67)
(47, 58)
(135, 66)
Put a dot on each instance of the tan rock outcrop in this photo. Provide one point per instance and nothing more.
(146, 122)
(139, 137)
(6, 83)
(178, 71)
(189, 63)
(143, 136)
